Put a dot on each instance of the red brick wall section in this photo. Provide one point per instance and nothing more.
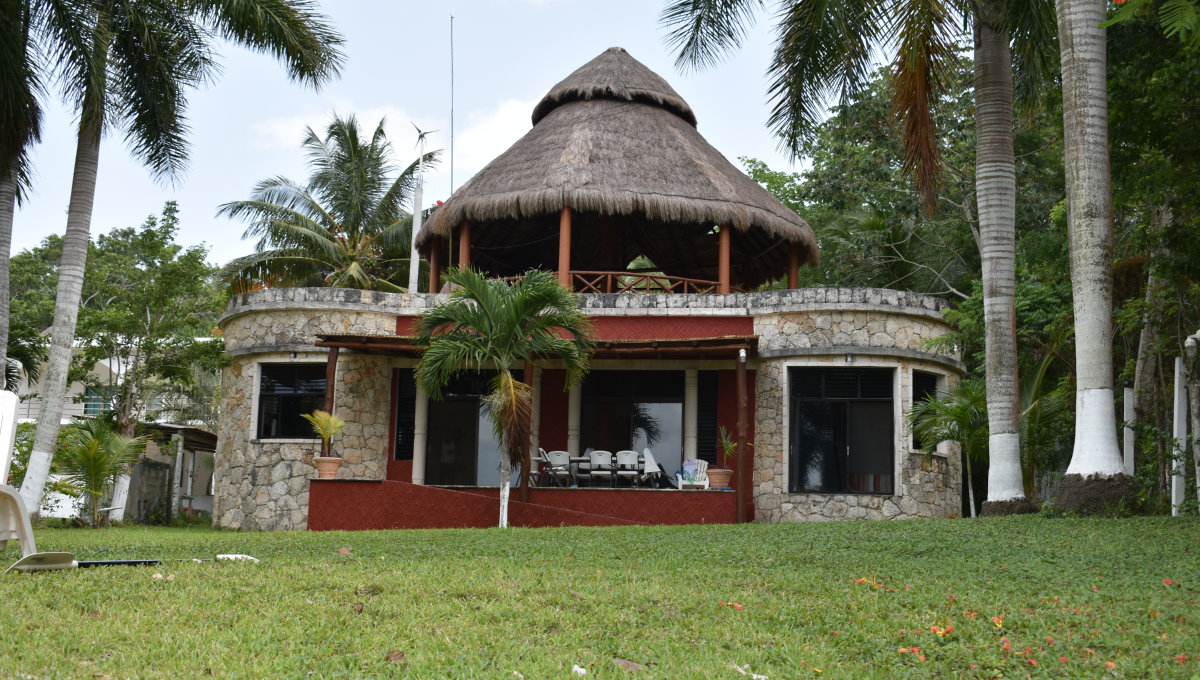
(346, 505)
(555, 406)
(727, 418)
(406, 325)
(671, 327)
(646, 506)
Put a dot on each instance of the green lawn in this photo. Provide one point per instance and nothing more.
(486, 603)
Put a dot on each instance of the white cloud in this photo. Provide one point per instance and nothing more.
(287, 132)
(489, 134)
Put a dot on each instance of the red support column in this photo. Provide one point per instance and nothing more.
(793, 265)
(464, 244)
(564, 248)
(330, 378)
(742, 473)
(435, 265)
(723, 260)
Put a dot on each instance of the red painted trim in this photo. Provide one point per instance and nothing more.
(727, 418)
(362, 505)
(406, 325)
(555, 406)
(397, 470)
(671, 327)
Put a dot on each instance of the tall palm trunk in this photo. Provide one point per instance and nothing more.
(505, 480)
(8, 207)
(996, 191)
(970, 485)
(66, 312)
(1193, 383)
(1096, 458)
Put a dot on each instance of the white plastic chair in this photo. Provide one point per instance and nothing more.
(701, 477)
(14, 517)
(558, 466)
(627, 466)
(601, 465)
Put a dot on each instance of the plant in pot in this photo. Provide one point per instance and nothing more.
(326, 425)
(719, 476)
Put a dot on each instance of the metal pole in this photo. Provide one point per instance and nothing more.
(414, 258)
(176, 475)
(1129, 438)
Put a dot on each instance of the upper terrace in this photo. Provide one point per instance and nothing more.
(613, 169)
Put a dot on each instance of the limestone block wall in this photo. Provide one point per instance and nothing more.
(263, 484)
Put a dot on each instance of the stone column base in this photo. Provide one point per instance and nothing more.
(1096, 495)
(1015, 506)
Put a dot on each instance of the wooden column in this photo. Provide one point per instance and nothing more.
(464, 244)
(610, 248)
(793, 265)
(330, 378)
(564, 248)
(723, 260)
(435, 265)
(743, 477)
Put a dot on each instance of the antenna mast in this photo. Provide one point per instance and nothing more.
(452, 103)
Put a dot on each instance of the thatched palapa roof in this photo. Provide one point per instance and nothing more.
(616, 144)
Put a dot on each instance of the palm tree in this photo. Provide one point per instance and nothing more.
(824, 51)
(20, 126)
(347, 228)
(128, 64)
(958, 416)
(488, 323)
(26, 350)
(96, 456)
(1096, 459)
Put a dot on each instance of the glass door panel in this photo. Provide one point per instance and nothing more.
(659, 427)
(450, 453)
(871, 446)
(819, 438)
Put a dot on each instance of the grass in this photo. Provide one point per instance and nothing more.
(486, 603)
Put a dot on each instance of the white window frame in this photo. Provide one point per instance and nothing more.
(286, 359)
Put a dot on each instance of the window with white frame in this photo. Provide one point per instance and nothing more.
(285, 391)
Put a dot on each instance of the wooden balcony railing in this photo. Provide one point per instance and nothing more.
(639, 282)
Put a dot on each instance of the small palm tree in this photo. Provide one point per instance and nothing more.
(325, 425)
(24, 358)
(959, 416)
(96, 455)
(489, 323)
(347, 228)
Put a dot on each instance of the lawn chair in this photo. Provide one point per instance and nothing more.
(627, 467)
(695, 473)
(558, 467)
(651, 472)
(14, 516)
(601, 466)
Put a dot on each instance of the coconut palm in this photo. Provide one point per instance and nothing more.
(489, 323)
(128, 65)
(20, 126)
(347, 228)
(958, 416)
(825, 51)
(1096, 458)
(96, 456)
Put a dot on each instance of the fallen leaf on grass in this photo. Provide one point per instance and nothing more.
(397, 657)
(518, 674)
(157, 577)
(576, 594)
(357, 608)
(344, 551)
(628, 665)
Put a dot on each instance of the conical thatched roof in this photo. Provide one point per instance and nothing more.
(614, 142)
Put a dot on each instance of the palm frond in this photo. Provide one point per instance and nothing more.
(704, 31)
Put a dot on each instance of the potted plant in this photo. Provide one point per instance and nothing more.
(326, 425)
(719, 476)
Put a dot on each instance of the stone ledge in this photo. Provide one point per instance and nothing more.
(785, 352)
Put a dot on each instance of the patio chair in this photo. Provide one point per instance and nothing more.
(627, 467)
(694, 473)
(558, 467)
(601, 466)
(583, 471)
(651, 472)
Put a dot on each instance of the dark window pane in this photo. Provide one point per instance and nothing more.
(658, 386)
(841, 383)
(817, 463)
(876, 383)
(706, 417)
(406, 407)
(285, 392)
(806, 383)
(871, 447)
(924, 386)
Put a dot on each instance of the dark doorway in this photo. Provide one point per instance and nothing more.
(460, 448)
(842, 431)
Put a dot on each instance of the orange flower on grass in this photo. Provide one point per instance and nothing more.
(1110, 664)
(1062, 659)
(998, 621)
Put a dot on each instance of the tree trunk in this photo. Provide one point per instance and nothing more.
(1145, 387)
(1096, 459)
(66, 313)
(8, 207)
(996, 191)
(970, 485)
(1193, 386)
(505, 478)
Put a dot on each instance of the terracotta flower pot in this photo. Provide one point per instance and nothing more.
(327, 467)
(718, 478)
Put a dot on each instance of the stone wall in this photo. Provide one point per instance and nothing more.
(263, 484)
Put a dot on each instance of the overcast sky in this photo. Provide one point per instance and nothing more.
(507, 54)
